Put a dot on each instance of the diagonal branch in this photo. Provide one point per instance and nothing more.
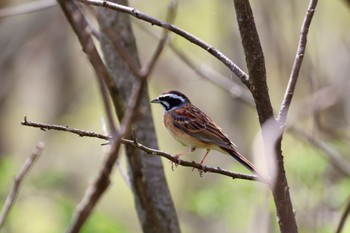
(26, 8)
(146, 70)
(101, 183)
(140, 15)
(135, 143)
(11, 198)
(343, 218)
(83, 31)
(288, 96)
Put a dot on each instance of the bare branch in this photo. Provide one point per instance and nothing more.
(83, 32)
(11, 197)
(135, 143)
(27, 8)
(258, 86)
(343, 218)
(149, 66)
(101, 183)
(147, 69)
(288, 96)
(81, 133)
(205, 72)
(138, 14)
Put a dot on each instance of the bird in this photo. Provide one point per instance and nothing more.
(193, 128)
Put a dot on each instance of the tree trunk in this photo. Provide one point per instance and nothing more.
(155, 208)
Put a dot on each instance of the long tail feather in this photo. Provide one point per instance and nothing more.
(245, 162)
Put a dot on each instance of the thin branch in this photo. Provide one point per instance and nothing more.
(288, 96)
(140, 15)
(343, 218)
(99, 186)
(146, 70)
(11, 198)
(82, 29)
(101, 183)
(25, 8)
(135, 143)
(205, 72)
(81, 133)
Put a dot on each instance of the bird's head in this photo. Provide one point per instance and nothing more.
(171, 100)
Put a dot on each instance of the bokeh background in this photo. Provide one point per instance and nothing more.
(45, 76)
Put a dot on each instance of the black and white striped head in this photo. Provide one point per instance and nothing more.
(171, 100)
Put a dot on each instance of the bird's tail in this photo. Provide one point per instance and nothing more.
(245, 162)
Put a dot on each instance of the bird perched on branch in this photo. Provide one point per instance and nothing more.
(193, 128)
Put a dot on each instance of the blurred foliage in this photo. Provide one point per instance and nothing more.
(45, 76)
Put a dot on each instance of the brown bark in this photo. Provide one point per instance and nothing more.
(154, 205)
(258, 87)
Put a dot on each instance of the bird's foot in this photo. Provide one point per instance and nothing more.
(201, 170)
(177, 163)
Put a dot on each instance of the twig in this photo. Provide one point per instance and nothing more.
(140, 15)
(288, 96)
(207, 73)
(81, 133)
(101, 183)
(11, 197)
(25, 8)
(135, 143)
(83, 31)
(343, 218)
(149, 66)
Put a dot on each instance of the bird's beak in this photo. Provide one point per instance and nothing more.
(155, 101)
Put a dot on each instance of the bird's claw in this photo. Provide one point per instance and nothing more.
(178, 162)
(201, 170)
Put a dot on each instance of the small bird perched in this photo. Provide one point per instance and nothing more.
(193, 128)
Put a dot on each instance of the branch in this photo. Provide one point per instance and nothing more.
(83, 31)
(101, 183)
(257, 75)
(288, 96)
(205, 72)
(26, 8)
(343, 218)
(11, 197)
(140, 15)
(81, 133)
(146, 70)
(255, 61)
(135, 143)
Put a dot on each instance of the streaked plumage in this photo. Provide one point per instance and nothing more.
(193, 128)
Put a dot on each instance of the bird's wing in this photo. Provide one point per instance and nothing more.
(197, 124)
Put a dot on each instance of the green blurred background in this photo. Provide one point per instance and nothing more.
(45, 76)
